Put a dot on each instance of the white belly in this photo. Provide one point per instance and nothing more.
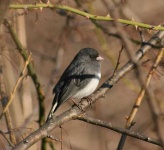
(89, 89)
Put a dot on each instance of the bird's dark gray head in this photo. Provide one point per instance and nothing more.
(89, 54)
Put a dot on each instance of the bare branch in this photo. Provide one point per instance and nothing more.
(16, 86)
(53, 138)
(139, 99)
(31, 70)
(118, 129)
(9, 122)
(118, 60)
(157, 115)
(3, 134)
(143, 90)
(84, 14)
(74, 112)
(141, 36)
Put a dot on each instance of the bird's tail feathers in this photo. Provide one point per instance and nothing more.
(51, 113)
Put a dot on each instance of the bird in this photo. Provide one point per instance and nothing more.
(79, 80)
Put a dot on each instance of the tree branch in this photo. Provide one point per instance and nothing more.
(74, 112)
(140, 97)
(84, 14)
(16, 86)
(118, 129)
(3, 134)
(31, 70)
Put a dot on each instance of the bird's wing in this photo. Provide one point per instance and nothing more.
(68, 71)
(70, 82)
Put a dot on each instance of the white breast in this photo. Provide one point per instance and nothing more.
(89, 89)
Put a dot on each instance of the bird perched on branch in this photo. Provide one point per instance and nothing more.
(79, 80)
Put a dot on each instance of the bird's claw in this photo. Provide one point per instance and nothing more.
(89, 100)
(80, 107)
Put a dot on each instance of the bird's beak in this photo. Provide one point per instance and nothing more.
(99, 58)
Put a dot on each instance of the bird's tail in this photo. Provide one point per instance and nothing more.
(52, 111)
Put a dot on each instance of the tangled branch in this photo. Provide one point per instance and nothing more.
(74, 112)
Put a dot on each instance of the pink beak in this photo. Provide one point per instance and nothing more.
(99, 58)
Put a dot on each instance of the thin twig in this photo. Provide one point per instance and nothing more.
(141, 36)
(118, 59)
(74, 112)
(9, 122)
(140, 97)
(54, 138)
(10, 143)
(68, 138)
(143, 90)
(128, 49)
(119, 130)
(153, 104)
(31, 71)
(82, 13)
(16, 86)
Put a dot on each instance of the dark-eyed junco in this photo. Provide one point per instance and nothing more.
(79, 80)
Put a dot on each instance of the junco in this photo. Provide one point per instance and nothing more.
(79, 80)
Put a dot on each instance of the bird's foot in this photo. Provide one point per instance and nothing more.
(89, 100)
(76, 104)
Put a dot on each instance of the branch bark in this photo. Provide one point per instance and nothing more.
(119, 130)
(84, 14)
(31, 70)
(73, 113)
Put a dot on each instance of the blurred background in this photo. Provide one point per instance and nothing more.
(54, 37)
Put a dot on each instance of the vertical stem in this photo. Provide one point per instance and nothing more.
(9, 122)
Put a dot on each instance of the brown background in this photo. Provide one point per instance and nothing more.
(47, 33)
